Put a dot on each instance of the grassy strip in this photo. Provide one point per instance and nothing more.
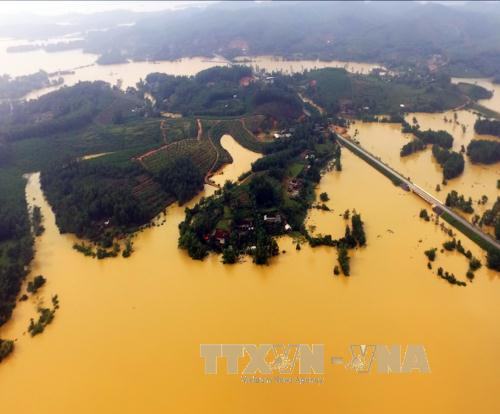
(488, 113)
(484, 243)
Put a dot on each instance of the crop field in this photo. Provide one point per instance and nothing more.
(179, 129)
(236, 129)
(149, 191)
(202, 153)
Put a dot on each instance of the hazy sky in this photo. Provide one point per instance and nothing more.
(63, 7)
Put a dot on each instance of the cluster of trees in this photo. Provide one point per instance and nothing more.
(6, 347)
(14, 88)
(45, 317)
(487, 126)
(60, 111)
(35, 284)
(454, 200)
(424, 215)
(452, 162)
(450, 277)
(218, 92)
(16, 250)
(493, 259)
(491, 217)
(440, 138)
(319, 32)
(483, 151)
(95, 200)
(110, 58)
(236, 213)
(412, 146)
(343, 260)
(181, 178)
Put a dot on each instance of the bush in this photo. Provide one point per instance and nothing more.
(36, 284)
(431, 254)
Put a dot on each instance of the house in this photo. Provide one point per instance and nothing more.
(244, 228)
(272, 218)
(220, 237)
(307, 155)
(294, 186)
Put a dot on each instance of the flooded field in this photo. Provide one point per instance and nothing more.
(126, 338)
(128, 74)
(494, 102)
(385, 141)
(277, 64)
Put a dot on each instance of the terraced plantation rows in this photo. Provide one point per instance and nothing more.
(149, 191)
(201, 152)
(237, 130)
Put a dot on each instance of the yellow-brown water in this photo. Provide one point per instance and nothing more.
(242, 161)
(278, 64)
(385, 141)
(492, 103)
(126, 338)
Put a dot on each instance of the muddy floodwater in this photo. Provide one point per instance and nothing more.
(277, 64)
(84, 67)
(126, 338)
(385, 141)
(494, 102)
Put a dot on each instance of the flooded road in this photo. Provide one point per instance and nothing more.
(126, 338)
(385, 141)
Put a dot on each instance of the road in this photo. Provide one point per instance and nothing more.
(429, 198)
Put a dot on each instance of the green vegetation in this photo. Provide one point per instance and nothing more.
(493, 253)
(450, 278)
(35, 284)
(358, 231)
(487, 126)
(36, 220)
(458, 201)
(129, 248)
(452, 162)
(245, 218)
(105, 199)
(367, 95)
(45, 317)
(412, 147)
(15, 88)
(221, 91)
(431, 254)
(438, 138)
(474, 92)
(111, 58)
(424, 215)
(491, 217)
(493, 259)
(16, 241)
(181, 178)
(6, 347)
(343, 259)
(483, 151)
(324, 197)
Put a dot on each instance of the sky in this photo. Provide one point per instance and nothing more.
(52, 8)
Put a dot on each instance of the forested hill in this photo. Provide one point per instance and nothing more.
(63, 110)
(462, 38)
